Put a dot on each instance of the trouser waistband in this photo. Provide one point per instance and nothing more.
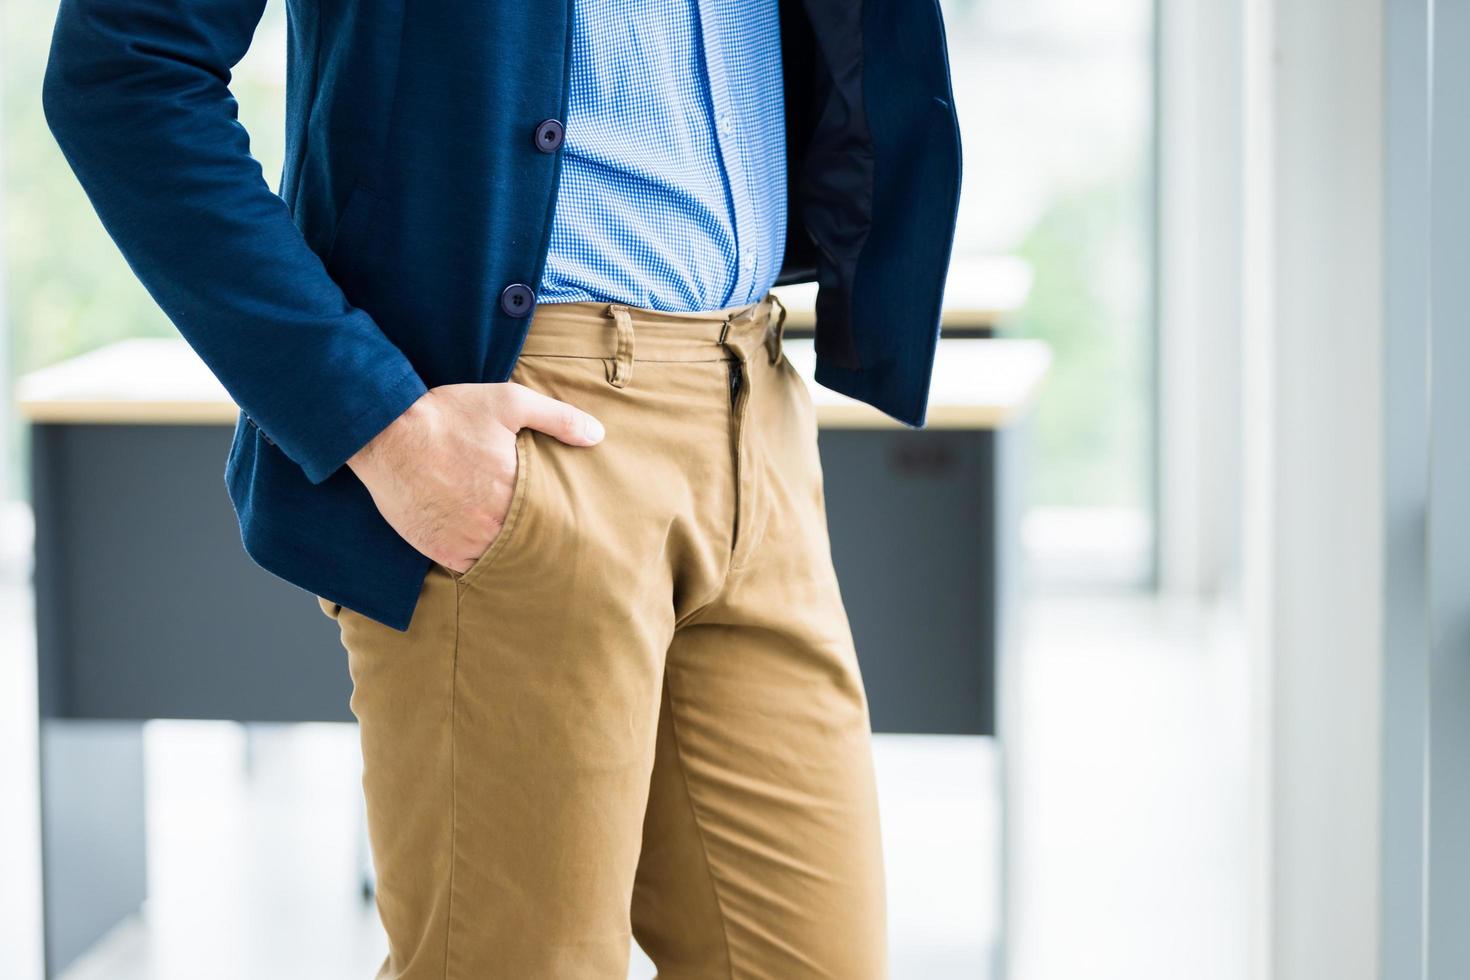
(622, 334)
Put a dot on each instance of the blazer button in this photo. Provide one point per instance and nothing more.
(516, 299)
(549, 135)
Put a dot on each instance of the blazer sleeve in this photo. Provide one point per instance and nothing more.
(137, 95)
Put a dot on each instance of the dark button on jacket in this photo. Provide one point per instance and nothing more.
(516, 298)
(549, 135)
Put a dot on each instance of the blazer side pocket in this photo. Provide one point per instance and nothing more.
(352, 234)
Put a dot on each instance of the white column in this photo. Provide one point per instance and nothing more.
(1314, 464)
(1199, 257)
(1406, 486)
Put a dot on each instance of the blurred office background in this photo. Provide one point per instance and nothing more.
(1210, 765)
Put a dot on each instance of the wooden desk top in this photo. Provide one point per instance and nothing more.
(978, 384)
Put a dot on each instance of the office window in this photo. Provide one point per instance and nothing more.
(1056, 107)
(68, 289)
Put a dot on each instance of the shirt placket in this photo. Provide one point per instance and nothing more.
(727, 140)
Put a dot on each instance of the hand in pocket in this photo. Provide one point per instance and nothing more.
(443, 473)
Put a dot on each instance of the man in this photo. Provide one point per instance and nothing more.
(514, 408)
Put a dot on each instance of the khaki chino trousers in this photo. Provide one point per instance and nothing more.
(639, 714)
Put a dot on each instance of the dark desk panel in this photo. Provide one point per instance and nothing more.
(148, 606)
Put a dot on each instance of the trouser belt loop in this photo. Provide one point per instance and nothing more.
(620, 365)
(776, 333)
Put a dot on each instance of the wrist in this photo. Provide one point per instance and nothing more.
(381, 446)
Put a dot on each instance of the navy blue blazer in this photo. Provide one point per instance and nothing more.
(408, 239)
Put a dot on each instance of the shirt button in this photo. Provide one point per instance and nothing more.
(726, 126)
(549, 134)
(516, 299)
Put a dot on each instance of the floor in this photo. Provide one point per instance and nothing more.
(1125, 753)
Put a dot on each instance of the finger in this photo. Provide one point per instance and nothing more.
(557, 419)
(448, 558)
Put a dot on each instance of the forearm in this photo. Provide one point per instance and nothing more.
(137, 96)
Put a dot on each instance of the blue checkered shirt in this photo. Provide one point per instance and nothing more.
(673, 172)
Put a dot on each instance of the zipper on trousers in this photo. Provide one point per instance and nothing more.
(736, 375)
(737, 379)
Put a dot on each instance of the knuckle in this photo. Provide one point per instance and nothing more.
(510, 396)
